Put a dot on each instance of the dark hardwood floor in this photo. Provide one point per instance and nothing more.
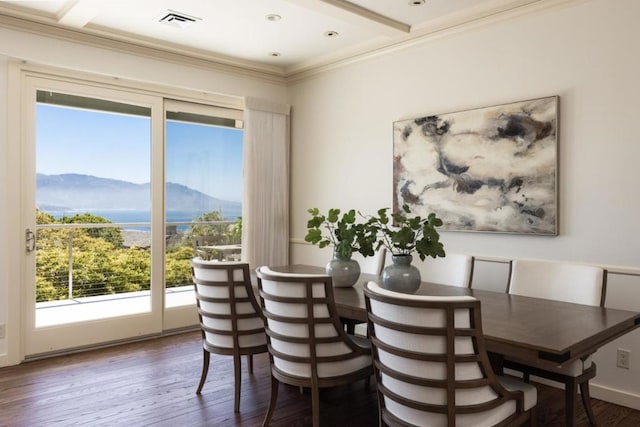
(153, 383)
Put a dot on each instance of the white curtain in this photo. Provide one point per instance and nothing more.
(265, 207)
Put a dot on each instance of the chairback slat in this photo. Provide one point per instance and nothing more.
(307, 344)
(431, 363)
(230, 319)
(229, 314)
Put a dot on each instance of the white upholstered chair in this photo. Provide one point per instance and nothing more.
(432, 367)
(230, 317)
(372, 264)
(568, 282)
(308, 346)
(454, 270)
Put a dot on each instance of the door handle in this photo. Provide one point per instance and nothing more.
(30, 240)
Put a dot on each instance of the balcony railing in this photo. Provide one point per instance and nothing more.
(91, 260)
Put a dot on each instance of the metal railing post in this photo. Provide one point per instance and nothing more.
(70, 249)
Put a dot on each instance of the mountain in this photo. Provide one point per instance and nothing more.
(85, 192)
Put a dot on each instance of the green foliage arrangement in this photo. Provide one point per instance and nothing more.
(343, 232)
(404, 235)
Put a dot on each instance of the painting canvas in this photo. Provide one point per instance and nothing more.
(488, 169)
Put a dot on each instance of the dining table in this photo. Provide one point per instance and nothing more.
(540, 331)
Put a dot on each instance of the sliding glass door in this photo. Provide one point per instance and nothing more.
(93, 235)
(120, 190)
(203, 197)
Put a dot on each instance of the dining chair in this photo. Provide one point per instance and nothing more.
(230, 317)
(372, 264)
(431, 364)
(307, 344)
(568, 282)
(454, 269)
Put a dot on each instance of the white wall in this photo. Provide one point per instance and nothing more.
(4, 224)
(35, 49)
(585, 52)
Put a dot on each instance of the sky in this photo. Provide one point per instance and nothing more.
(118, 146)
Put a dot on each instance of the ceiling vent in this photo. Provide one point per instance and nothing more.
(177, 19)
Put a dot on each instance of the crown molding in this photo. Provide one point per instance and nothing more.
(441, 28)
(145, 48)
(498, 11)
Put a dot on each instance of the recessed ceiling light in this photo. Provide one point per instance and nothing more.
(273, 17)
(331, 34)
(275, 54)
(416, 2)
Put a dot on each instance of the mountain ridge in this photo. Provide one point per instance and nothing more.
(74, 191)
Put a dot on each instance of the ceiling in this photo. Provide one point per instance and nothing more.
(244, 33)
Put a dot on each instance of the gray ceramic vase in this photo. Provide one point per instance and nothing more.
(401, 276)
(344, 272)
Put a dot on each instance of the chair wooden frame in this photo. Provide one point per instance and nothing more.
(351, 324)
(233, 317)
(449, 357)
(571, 383)
(314, 381)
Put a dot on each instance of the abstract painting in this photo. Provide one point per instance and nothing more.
(487, 169)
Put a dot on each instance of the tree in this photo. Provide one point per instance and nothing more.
(209, 234)
(177, 267)
(95, 254)
(220, 233)
(102, 266)
(235, 231)
(110, 234)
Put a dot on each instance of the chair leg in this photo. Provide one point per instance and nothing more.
(533, 416)
(315, 405)
(272, 402)
(586, 401)
(237, 373)
(350, 325)
(205, 370)
(381, 421)
(250, 363)
(570, 394)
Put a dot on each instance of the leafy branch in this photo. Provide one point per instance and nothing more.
(405, 235)
(342, 232)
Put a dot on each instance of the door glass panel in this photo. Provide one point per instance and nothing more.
(93, 198)
(203, 196)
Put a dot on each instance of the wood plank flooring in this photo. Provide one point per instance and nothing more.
(153, 383)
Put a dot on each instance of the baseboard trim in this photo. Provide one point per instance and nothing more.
(619, 397)
(608, 394)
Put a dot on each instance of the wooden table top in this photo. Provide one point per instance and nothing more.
(533, 329)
